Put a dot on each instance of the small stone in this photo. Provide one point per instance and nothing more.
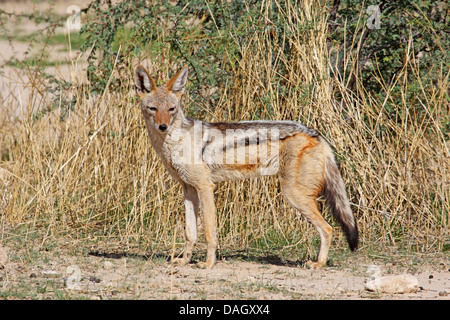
(430, 276)
(108, 265)
(443, 293)
(33, 275)
(51, 273)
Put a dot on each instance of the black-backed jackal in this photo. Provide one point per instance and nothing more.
(199, 154)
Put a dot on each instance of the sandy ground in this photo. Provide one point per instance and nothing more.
(67, 271)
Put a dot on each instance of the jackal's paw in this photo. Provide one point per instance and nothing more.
(180, 261)
(314, 265)
(204, 265)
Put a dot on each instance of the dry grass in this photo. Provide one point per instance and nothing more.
(95, 176)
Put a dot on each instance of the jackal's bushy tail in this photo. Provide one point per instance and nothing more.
(336, 198)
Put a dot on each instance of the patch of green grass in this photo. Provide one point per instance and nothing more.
(34, 62)
(446, 247)
(20, 290)
(29, 289)
(76, 40)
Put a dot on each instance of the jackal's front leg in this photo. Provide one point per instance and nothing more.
(191, 203)
(206, 196)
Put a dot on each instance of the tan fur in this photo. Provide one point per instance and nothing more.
(199, 154)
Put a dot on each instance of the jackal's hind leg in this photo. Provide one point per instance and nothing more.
(301, 200)
(206, 196)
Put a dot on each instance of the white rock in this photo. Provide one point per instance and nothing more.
(404, 283)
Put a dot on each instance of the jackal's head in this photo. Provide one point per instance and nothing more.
(160, 106)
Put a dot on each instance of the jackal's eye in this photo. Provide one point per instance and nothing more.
(152, 108)
(171, 109)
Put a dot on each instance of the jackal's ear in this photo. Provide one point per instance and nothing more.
(178, 82)
(144, 82)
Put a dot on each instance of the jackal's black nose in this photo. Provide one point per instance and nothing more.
(162, 127)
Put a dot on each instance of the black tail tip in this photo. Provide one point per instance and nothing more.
(352, 238)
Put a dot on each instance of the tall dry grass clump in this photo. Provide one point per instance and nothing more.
(94, 176)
